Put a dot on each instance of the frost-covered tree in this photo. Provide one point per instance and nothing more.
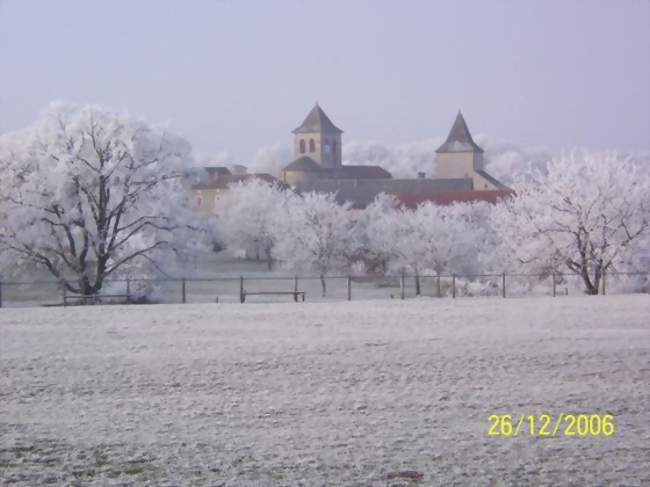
(315, 233)
(582, 214)
(391, 233)
(249, 220)
(272, 158)
(86, 192)
(369, 226)
(401, 160)
(511, 162)
(442, 239)
(447, 239)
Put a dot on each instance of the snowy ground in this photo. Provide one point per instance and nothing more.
(322, 394)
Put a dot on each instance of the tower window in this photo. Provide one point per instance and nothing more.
(312, 145)
(302, 146)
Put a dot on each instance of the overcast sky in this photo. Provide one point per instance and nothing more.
(236, 75)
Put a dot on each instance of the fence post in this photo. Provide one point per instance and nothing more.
(241, 289)
(295, 284)
(439, 288)
(401, 286)
(453, 285)
(349, 288)
(183, 290)
(554, 284)
(503, 284)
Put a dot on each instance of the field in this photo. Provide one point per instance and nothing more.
(351, 393)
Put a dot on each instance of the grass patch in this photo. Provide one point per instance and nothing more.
(134, 470)
(83, 474)
(21, 451)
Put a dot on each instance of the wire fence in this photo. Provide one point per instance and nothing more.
(262, 289)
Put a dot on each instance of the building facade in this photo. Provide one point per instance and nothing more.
(458, 173)
(211, 191)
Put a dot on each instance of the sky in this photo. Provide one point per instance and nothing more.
(236, 75)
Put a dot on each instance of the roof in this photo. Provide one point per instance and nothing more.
(226, 181)
(493, 180)
(358, 172)
(304, 164)
(220, 170)
(412, 200)
(317, 121)
(459, 138)
(362, 192)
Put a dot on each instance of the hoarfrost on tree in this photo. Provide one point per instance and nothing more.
(442, 239)
(87, 192)
(584, 214)
(315, 233)
(250, 215)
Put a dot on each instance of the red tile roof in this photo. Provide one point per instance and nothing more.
(412, 200)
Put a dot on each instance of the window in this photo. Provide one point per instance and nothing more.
(302, 146)
(327, 147)
(312, 145)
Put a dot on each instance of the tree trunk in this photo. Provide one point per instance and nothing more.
(269, 260)
(591, 286)
(85, 287)
(582, 267)
(418, 289)
(323, 285)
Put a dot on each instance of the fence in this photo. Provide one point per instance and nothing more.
(260, 288)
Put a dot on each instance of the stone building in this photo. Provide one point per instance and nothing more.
(319, 139)
(211, 190)
(458, 174)
(319, 156)
(461, 158)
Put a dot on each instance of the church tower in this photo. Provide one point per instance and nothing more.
(459, 156)
(319, 139)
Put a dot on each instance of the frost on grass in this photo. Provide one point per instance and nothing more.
(360, 393)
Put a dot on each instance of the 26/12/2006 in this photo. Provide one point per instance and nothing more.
(545, 425)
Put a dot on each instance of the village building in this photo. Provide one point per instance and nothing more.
(211, 191)
(457, 172)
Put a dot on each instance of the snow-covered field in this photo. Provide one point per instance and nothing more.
(322, 394)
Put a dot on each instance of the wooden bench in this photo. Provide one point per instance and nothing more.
(93, 298)
(243, 294)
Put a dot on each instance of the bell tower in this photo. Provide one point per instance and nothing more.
(319, 139)
(459, 156)
(462, 158)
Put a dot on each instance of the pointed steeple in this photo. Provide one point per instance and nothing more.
(459, 139)
(317, 122)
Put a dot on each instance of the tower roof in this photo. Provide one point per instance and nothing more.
(303, 164)
(317, 121)
(459, 138)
